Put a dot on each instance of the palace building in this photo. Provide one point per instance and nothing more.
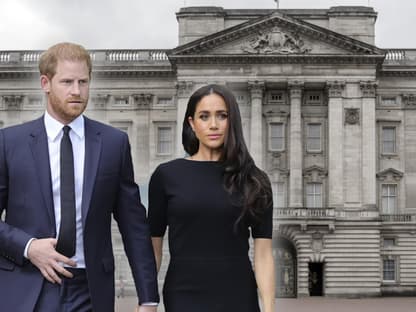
(328, 115)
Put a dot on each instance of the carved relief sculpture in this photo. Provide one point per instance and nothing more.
(352, 116)
(276, 41)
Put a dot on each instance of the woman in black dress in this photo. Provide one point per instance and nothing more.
(211, 202)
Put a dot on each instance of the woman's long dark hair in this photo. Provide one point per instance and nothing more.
(241, 176)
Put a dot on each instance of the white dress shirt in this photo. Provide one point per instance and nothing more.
(77, 134)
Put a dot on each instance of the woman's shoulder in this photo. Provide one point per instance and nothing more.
(170, 166)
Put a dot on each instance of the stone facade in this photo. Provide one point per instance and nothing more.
(330, 117)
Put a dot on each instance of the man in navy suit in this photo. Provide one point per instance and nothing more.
(55, 242)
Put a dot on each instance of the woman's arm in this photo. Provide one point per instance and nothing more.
(157, 243)
(264, 271)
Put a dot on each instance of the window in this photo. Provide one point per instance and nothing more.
(164, 101)
(388, 243)
(313, 140)
(388, 198)
(276, 97)
(389, 140)
(276, 137)
(388, 101)
(240, 98)
(164, 140)
(121, 101)
(313, 195)
(279, 198)
(389, 269)
(313, 98)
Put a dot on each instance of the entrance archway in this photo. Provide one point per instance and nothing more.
(286, 268)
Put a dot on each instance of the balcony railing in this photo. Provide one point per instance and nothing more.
(305, 213)
(400, 56)
(97, 56)
(398, 218)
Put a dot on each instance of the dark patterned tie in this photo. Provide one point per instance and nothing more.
(67, 238)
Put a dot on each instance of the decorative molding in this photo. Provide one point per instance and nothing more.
(390, 173)
(409, 101)
(315, 173)
(352, 116)
(335, 88)
(142, 101)
(317, 242)
(276, 59)
(100, 100)
(13, 102)
(368, 88)
(295, 89)
(276, 163)
(256, 89)
(184, 88)
(275, 41)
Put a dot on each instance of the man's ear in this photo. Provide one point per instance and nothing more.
(45, 83)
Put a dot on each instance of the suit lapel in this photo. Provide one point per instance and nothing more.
(92, 159)
(38, 142)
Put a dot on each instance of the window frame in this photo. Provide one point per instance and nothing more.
(308, 125)
(396, 196)
(307, 194)
(158, 141)
(283, 136)
(276, 190)
(383, 151)
(396, 269)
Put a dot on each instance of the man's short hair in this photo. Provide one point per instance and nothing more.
(64, 51)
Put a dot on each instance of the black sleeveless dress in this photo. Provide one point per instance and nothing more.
(209, 270)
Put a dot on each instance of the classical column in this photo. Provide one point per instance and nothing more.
(295, 143)
(335, 144)
(369, 141)
(184, 89)
(256, 122)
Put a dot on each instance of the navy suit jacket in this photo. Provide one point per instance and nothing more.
(108, 189)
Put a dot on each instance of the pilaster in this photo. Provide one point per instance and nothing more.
(184, 89)
(256, 122)
(335, 91)
(295, 142)
(368, 89)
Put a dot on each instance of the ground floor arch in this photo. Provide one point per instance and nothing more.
(286, 268)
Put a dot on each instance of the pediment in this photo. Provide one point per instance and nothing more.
(315, 169)
(276, 35)
(390, 173)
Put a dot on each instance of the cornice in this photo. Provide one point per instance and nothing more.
(108, 73)
(276, 59)
(405, 72)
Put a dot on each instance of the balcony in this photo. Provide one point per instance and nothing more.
(399, 221)
(305, 216)
(398, 218)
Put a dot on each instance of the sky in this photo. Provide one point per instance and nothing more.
(151, 24)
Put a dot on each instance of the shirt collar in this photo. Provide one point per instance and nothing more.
(54, 127)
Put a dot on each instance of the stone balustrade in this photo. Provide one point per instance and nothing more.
(400, 56)
(97, 56)
(304, 213)
(398, 218)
